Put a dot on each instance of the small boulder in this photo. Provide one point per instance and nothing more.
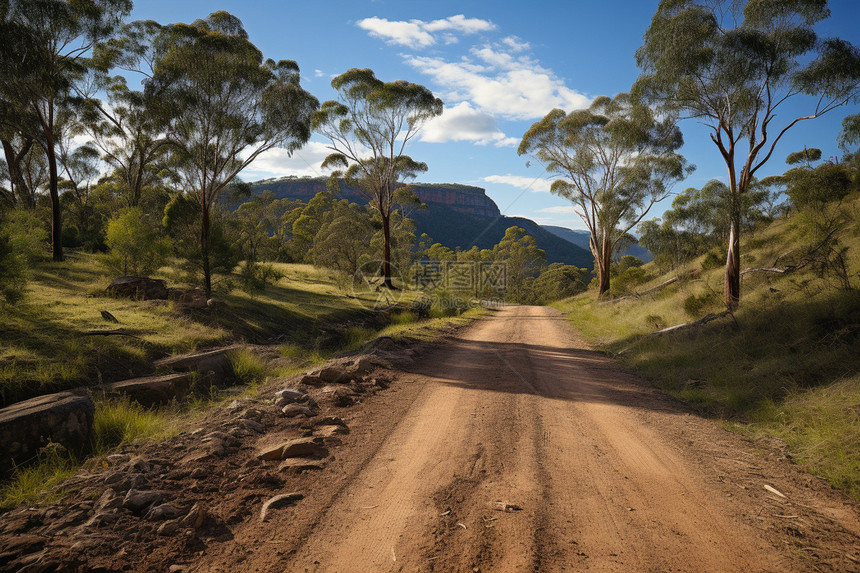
(252, 425)
(301, 464)
(311, 380)
(334, 375)
(279, 501)
(338, 395)
(162, 512)
(140, 288)
(136, 500)
(153, 390)
(107, 501)
(63, 418)
(195, 517)
(299, 447)
(294, 410)
(289, 396)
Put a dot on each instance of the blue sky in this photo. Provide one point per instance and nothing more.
(498, 67)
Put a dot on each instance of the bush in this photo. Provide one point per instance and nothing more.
(22, 242)
(713, 260)
(627, 280)
(694, 305)
(256, 277)
(135, 245)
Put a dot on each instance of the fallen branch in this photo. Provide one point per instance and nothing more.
(768, 270)
(704, 320)
(649, 291)
(117, 332)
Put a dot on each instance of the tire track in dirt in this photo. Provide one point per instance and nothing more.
(597, 470)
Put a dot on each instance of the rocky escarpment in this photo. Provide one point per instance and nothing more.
(461, 198)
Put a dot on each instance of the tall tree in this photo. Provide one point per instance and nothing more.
(47, 44)
(614, 161)
(519, 252)
(222, 106)
(368, 130)
(124, 130)
(732, 66)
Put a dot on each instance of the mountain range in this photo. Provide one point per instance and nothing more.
(457, 216)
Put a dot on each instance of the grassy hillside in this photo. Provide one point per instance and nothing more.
(50, 341)
(784, 367)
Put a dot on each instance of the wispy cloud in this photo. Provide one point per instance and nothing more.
(278, 163)
(566, 209)
(498, 81)
(422, 34)
(536, 184)
(464, 123)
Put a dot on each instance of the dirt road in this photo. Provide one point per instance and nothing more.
(516, 448)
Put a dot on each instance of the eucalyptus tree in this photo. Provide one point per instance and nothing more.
(522, 258)
(368, 130)
(221, 106)
(123, 128)
(47, 48)
(733, 66)
(613, 161)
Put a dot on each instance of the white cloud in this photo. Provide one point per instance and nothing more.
(464, 123)
(421, 34)
(536, 184)
(515, 44)
(278, 163)
(460, 23)
(566, 209)
(499, 81)
(319, 73)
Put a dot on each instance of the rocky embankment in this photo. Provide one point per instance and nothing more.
(157, 506)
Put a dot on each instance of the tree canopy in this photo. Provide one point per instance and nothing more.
(732, 66)
(368, 128)
(613, 161)
(221, 105)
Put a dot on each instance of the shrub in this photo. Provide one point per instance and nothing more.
(712, 260)
(255, 277)
(694, 305)
(405, 317)
(22, 242)
(135, 244)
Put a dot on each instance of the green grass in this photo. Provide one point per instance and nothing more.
(38, 483)
(246, 367)
(48, 344)
(784, 366)
(119, 422)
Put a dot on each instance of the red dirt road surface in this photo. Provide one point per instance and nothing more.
(514, 448)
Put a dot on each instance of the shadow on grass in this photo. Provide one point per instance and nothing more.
(43, 355)
(735, 368)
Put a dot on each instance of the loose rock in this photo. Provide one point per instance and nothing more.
(278, 501)
(300, 447)
(294, 410)
(136, 501)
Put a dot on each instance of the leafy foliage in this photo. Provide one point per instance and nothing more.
(368, 128)
(136, 246)
(731, 66)
(614, 161)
